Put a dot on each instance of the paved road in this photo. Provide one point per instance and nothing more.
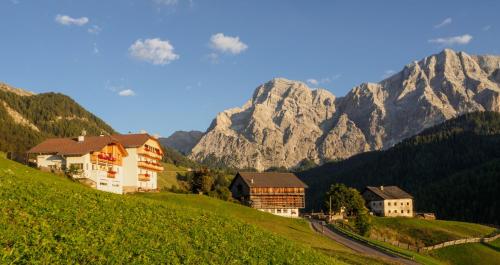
(358, 246)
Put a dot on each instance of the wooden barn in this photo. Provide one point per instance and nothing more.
(277, 193)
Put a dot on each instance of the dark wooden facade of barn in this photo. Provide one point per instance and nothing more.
(278, 193)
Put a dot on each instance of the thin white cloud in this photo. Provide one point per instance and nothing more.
(94, 29)
(443, 23)
(388, 73)
(227, 44)
(486, 28)
(167, 2)
(461, 40)
(96, 50)
(68, 21)
(15, 2)
(213, 57)
(155, 51)
(324, 80)
(126, 93)
(312, 81)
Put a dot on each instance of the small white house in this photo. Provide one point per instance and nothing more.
(388, 201)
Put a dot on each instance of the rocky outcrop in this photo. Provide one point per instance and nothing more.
(182, 141)
(18, 91)
(286, 122)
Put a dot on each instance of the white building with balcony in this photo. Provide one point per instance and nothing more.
(118, 163)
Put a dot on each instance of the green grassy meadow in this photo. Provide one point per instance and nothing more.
(420, 232)
(466, 254)
(294, 230)
(168, 177)
(48, 219)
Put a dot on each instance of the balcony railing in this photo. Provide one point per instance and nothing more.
(150, 154)
(144, 177)
(111, 174)
(104, 158)
(155, 166)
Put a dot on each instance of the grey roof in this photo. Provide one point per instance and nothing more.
(271, 179)
(389, 192)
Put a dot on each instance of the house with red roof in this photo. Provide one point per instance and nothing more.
(113, 163)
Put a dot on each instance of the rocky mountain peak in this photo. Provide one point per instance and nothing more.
(286, 122)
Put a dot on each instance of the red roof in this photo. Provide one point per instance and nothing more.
(71, 146)
(134, 140)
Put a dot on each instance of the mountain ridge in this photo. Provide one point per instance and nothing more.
(182, 141)
(28, 118)
(286, 122)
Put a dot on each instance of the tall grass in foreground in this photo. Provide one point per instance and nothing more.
(50, 220)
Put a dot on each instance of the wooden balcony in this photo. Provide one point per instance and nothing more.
(151, 154)
(155, 166)
(103, 158)
(277, 201)
(112, 174)
(144, 177)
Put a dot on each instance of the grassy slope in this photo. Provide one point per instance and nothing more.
(426, 232)
(295, 230)
(168, 177)
(49, 219)
(466, 254)
(418, 257)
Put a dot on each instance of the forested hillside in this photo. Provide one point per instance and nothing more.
(452, 169)
(27, 119)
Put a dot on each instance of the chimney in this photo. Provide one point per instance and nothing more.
(81, 138)
(381, 187)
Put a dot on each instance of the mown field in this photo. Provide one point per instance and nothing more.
(467, 254)
(295, 230)
(168, 177)
(49, 219)
(419, 232)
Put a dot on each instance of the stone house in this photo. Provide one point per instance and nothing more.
(388, 201)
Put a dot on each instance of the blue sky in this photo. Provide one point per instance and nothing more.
(167, 65)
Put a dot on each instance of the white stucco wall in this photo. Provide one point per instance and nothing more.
(285, 212)
(46, 161)
(114, 185)
(401, 207)
(130, 168)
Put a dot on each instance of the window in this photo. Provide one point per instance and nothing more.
(389, 203)
(285, 210)
(408, 211)
(401, 204)
(402, 211)
(408, 203)
(278, 211)
(389, 211)
(103, 184)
